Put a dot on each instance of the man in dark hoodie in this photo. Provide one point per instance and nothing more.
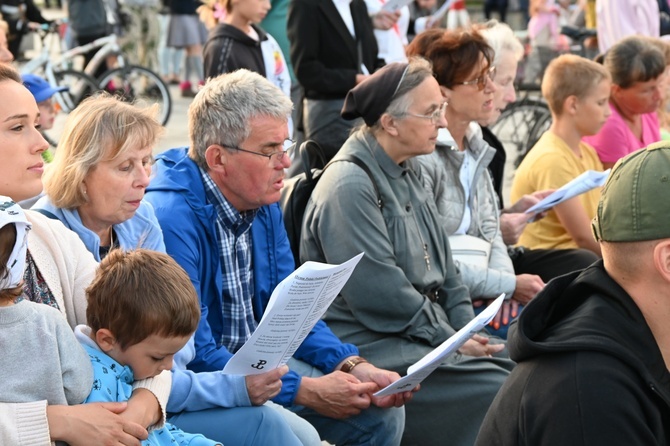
(593, 348)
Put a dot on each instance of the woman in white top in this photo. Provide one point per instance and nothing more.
(58, 269)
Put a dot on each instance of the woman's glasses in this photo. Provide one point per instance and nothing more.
(480, 81)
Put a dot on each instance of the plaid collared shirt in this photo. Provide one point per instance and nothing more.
(234, 242)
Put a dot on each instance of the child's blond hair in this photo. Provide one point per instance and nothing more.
(570, 75)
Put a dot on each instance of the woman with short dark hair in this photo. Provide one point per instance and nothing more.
(637, 68)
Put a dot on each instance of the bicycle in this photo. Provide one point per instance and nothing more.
(80, 85)
(522, 123)
(131, 83)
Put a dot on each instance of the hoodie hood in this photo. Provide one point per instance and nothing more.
(175, 172)
(585, 311)
(171, 169)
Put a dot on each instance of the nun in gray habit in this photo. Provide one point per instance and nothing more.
(405, 296)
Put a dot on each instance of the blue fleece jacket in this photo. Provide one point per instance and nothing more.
(113, 382)
(140, 231)
(188, 224)
(192, 391)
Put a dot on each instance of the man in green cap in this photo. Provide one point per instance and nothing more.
(593, 348)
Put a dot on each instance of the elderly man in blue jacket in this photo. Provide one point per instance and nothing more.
(217, 205)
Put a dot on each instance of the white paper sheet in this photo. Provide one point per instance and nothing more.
(583, 183)
(394, 5)
(426, 365)
(295, 306)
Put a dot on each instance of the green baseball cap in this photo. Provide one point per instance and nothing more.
(635, 202)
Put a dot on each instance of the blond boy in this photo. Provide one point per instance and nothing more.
(577, 92)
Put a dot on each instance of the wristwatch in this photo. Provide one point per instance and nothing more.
(352, 362)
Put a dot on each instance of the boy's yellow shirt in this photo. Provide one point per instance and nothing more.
(549, 165)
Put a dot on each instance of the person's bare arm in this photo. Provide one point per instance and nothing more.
(527, 287)
(96, 422)
(479, 346)
(143, 408)
(367, 372)
(147, 403)
(385, 20)
(573, 217)
(513, 219)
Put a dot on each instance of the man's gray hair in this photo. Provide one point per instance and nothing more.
(220, 112)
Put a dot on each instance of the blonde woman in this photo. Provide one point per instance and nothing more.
(96, 183)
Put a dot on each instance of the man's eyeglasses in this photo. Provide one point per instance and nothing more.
(480, 82)
(277, 156)
(435, 116)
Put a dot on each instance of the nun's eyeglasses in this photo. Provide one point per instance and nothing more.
(435, 116)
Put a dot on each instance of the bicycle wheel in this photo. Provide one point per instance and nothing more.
(516, 123)
(137, 84)
(80, 86)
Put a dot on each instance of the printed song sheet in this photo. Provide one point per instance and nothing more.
(425, 366)
(583, 183)
(295, 306)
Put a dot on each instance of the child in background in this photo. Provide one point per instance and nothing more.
(43, 93)
(577, 91)
(142, 309)
(545, 38)
(238, 42)
(41, 359)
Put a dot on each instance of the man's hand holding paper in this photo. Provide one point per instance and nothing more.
(295, 306)
(265, 386)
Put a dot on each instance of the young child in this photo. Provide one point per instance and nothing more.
(238, 42)
(43, 93)
(41, 359)
(577, 91)
(142, 309)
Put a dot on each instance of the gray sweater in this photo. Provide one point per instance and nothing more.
(384, 302)
(41, 359)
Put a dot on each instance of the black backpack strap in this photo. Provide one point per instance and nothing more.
(46, 214)
(366, 169)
